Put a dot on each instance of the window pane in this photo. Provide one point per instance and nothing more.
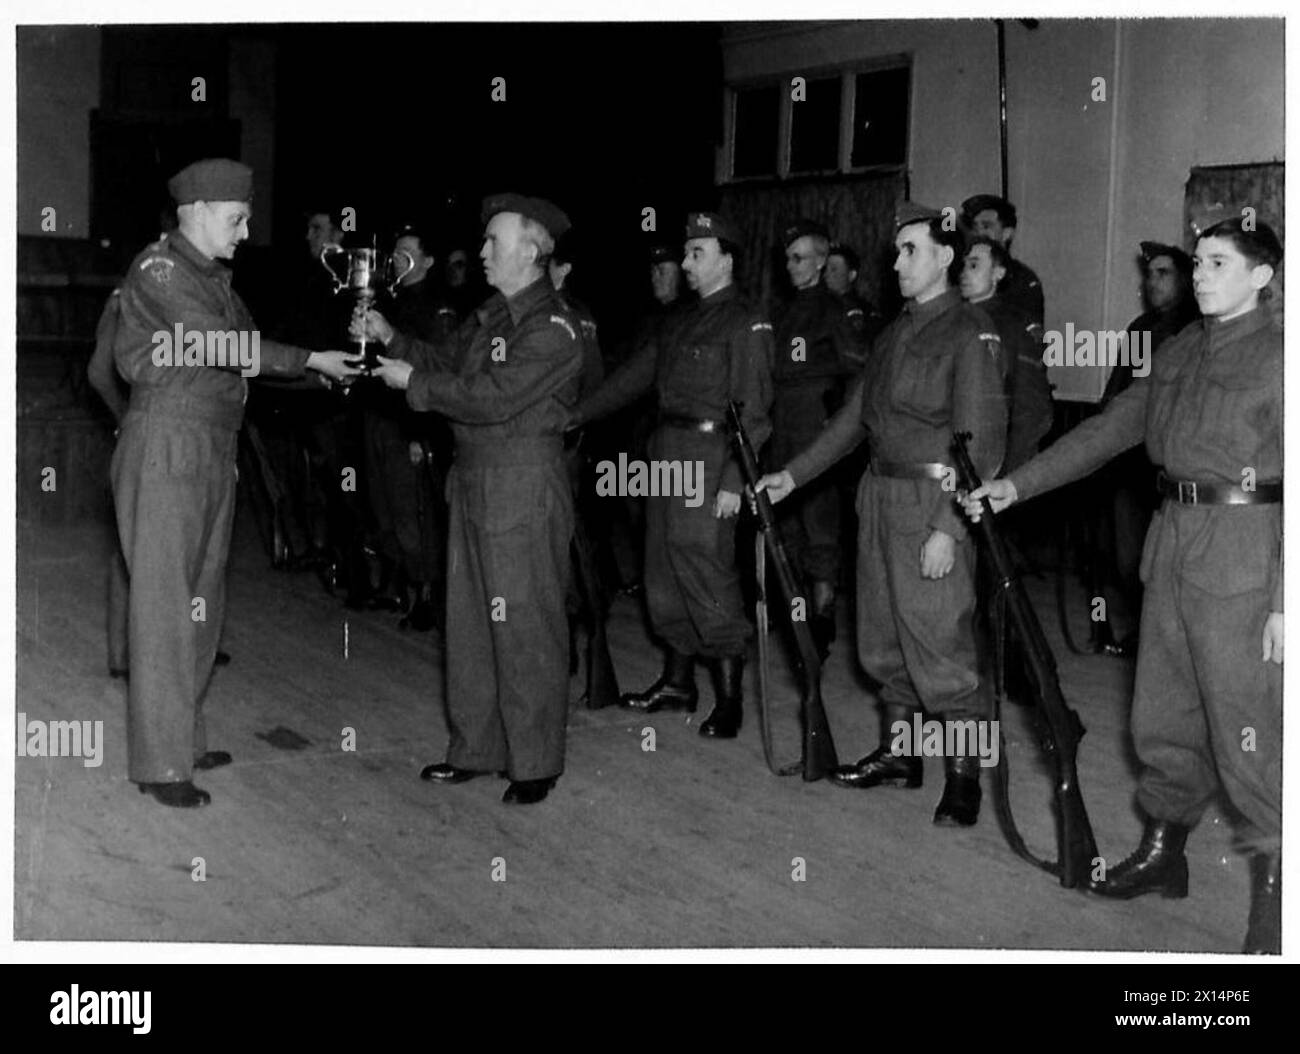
(880, 118)
(815, 128)
(758, 113)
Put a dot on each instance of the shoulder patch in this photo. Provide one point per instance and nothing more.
(560, 320)
(758, 327)
(853, 311)
(588, 326)
(990, 336)
(159, 268)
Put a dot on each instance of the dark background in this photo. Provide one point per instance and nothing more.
(397, 122)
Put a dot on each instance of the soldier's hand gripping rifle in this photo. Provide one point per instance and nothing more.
(1076, 849)
(818, 747)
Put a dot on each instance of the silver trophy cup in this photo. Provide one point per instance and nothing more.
(365, 273)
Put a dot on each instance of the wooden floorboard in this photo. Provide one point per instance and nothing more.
(691, 845)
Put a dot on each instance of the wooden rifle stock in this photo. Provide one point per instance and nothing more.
(819, 757)
(1076, 847)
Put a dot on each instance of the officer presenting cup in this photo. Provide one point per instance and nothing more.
(366, 271)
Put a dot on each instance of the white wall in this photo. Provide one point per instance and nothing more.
(1090, 179)
(58, 86)
(954, 127)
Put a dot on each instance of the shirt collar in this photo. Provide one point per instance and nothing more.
(185, 248)
(932, 309)
(1221, 333)
(527, 298)
(720, 296)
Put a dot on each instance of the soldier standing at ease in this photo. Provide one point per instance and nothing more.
(989, 216)
(1207, 697)
(816, 351)
(718, 349)
(935, 369)
(507, 383)
(1029, 393)
(174, 471)
(842, 266)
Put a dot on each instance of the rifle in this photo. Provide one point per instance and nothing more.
(1060, 727)
(818, 756)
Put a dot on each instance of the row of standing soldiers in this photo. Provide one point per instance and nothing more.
(515, 376)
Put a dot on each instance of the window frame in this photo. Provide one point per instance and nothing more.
(847, 75)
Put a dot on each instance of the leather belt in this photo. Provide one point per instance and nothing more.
(510, 453)
(207, 410)
(911, 469)
(1193, 492)
(695, 424)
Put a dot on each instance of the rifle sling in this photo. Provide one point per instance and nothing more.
(764, 655)
(1002, 773)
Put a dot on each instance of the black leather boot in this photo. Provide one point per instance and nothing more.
(423, 616)
(724, 720)
(880, 768)
(675, 689)
(1264, 933)
(182, 795)
(960, 804)
(1158, 865)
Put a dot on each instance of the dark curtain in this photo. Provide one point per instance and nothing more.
(858, 210)
(1217, 188)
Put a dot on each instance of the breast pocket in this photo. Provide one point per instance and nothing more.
(924, 387)
(700, 370)
(1232, 402)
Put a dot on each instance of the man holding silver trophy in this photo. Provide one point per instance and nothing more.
(507, 382)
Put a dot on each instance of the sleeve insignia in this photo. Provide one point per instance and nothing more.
(588, 327)
(560, 320)
(853, 311)
(990, 336)
(758, 327)
(159, 268)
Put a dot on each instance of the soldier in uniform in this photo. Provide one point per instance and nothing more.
(507, 383)
(816, 350)
(405, 456)
(841, 276)
(718, 349)
(1209, 663)
(174, 469)
(1131, 478)
(989, 216)
(935, 369)
(1029, 393)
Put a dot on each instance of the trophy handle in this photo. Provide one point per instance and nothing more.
(325, 255)
(397, 280)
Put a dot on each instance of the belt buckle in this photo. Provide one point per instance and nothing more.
(1187, 492)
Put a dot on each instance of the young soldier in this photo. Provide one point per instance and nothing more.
(1207, 702)
(989, 216)
(934, 370)
(1029, 393)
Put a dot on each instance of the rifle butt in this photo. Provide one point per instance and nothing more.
(819, 757)
(1077, 848)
